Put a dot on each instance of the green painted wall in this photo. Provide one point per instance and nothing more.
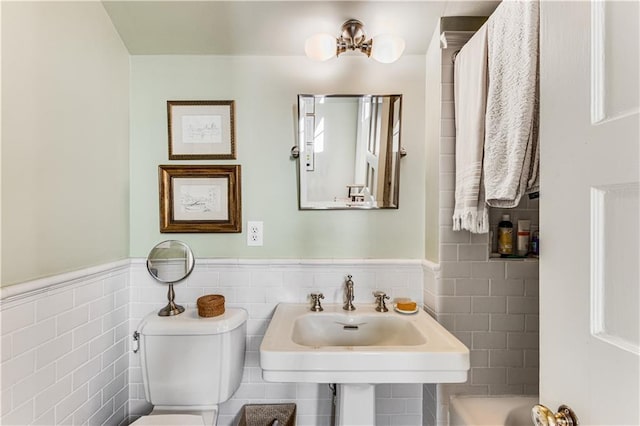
(65, 152)
(265, 90)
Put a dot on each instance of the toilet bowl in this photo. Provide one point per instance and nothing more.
(190, 364)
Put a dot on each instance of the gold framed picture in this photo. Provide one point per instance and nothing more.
(200, 198)
(201, 130)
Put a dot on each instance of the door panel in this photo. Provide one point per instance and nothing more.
(589, 210)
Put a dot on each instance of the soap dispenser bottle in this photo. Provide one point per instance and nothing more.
(505, 236)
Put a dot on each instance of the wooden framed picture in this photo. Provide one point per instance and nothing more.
(201, 130)
(200, 198)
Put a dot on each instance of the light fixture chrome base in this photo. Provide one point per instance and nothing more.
(171, 309)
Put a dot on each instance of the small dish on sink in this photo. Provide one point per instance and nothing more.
(406, 312)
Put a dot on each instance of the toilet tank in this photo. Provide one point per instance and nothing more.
(190, 362)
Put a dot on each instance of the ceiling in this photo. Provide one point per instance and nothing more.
(272, 28)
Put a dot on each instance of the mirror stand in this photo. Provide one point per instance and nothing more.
(171, 308)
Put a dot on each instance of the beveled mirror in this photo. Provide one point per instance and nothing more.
(170, 262)
(348, 151)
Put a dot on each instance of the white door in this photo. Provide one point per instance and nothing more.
(589, 214)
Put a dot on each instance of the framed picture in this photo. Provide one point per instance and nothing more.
(201, 130)
(200, 198)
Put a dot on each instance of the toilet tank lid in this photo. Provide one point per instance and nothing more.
(190, 323)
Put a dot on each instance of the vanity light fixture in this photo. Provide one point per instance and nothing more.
(385, 48)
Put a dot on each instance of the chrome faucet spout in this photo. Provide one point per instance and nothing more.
(348, 306)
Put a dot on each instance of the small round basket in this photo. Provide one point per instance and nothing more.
(211, 305)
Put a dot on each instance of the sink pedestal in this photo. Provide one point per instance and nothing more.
(356, 404)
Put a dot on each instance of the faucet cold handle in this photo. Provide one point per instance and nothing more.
(380, 298)
(315, 298)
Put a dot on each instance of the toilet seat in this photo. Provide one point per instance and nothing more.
(169, 420)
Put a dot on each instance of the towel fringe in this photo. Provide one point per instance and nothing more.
(472, 221)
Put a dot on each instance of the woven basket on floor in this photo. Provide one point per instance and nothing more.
(267, 414)
(211, 305)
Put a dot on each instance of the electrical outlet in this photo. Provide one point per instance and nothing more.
(254, 233)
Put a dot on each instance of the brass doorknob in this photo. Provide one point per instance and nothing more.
(565, 416)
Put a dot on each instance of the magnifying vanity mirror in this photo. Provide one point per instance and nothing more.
(348, 151)
(170, 262)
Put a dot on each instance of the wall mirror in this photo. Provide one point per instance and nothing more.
(348, 151)
(170, 262)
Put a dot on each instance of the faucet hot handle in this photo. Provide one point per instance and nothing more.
(315, 298)
(380, 298)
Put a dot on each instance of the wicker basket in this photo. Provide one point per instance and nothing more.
(211, 305)
(267, 414)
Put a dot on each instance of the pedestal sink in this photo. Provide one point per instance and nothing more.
(357, 350)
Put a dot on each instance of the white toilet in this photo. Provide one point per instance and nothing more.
(190, 364)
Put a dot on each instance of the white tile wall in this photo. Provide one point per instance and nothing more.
(64, 357)
(491, 305)
(258, 286)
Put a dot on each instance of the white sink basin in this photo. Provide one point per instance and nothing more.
(362, 346)
(342, 329)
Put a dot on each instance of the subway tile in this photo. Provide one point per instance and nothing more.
(115, 386)
(406, 390)
(20, 416)
(53, 304)
(74, 318)
(532, 389)
(488, 376)
(489, 304)
(473, 322)
(115, 317)
(466, 337)
(117, 416)
(508, 389)
(235, 278)
(522, 305)
(47, 419)
(33, 336)
(51, 396)
(506, 358)
(454, 304)
(6, 347)
(489, 340)
(447, 321)
(100, 380)
(72, 402)
(446, 92)
(53, 350)
(72, 360)
(519, 270)
(532, 323)
(87, 293)
(448, 252)
(25, 389)
(87, 332)
(479, 358)
(449, 236)
(101, 306)
(390, 406)
(494, 270)
(445, 219)
(523, 341)
(102, 343)
(528, 376)
(86, 372)
(480, 239)
(101, 416)
(455, 269)
(447, 183)
(447, 200)
(473, 252)
(531, 287)
(472, 287)
(110, 355)
(507, 322)
(531, 358)
(17, 368)
(500, 287)
(446, 287)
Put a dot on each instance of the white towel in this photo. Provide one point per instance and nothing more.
(511, 154)
(470, 85)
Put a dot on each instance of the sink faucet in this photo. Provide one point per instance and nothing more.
(348, 306)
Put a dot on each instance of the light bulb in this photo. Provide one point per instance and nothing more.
(320, 47)
(387, 48)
